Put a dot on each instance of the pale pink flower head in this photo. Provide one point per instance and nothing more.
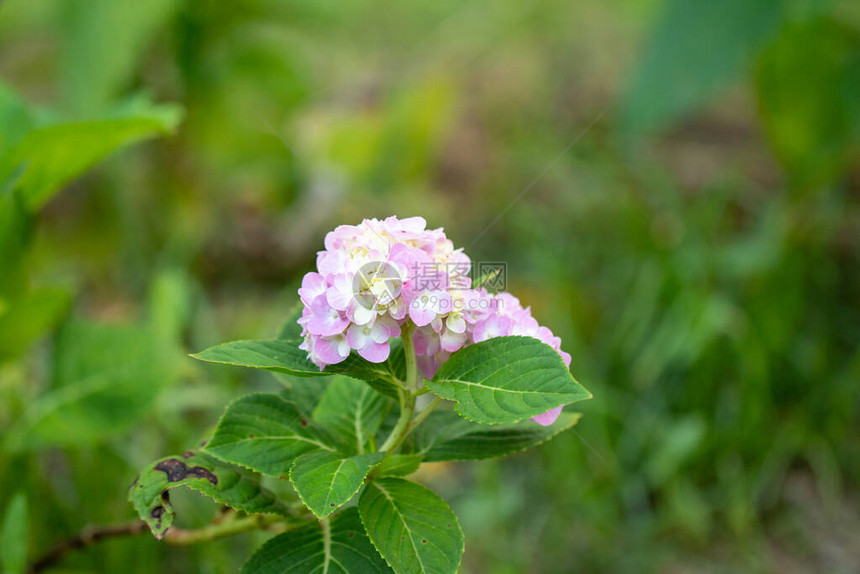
(374, 277)
(360, 294)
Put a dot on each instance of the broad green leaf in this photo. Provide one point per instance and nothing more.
(413, 529)
(281, 355)
(506, 380)
(446, 436)
(338, 546)
(351, 412)
(306, 392)
(399, 464)
(695, 50)
(56, 154)
(266, 433)
(325, 481)
(14, 538)
(807, 83)
(106, 377)
(277, 355)
(222, 482)
(284, 356)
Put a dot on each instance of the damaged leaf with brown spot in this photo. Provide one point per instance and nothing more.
(224, 483)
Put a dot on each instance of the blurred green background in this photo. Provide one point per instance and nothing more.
(674, 185)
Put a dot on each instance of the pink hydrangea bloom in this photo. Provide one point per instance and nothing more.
(374, 277)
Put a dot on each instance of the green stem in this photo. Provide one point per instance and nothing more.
(425, 413)
(398, 433)
(221, 529)
(419, 418)
(407, 394)
(406, 423)
(412, 377)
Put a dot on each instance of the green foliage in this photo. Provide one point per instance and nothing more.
(284, 356)
(265, 433)
(16, 116)
(92, 76)
(398, 465)
(506, 380)
(332, 456)
(56, 154)
(37, 158)
(339, 546)
(705, 281)
(695, 49)
(445, 436)
(276, 355)
(14, 538)
(807, 82)
(351, 412)
(411, 527)
(223, 483)
(15, 229)
(30, 317)
(325, 481)
(106, 378)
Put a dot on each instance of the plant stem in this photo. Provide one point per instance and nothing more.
(220, 530)
(425, 413)
(407, 394)
(411, 359)
(398, 433)
(92, 535)
(86, 537)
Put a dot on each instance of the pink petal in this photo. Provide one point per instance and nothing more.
(547, 418)
(375, 352)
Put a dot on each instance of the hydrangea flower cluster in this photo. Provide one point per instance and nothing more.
(374, 277)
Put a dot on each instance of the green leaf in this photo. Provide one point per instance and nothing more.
(351, 412)
(106, 377)
(325, 481)
(224, 483)
(306, 392)
(284, 356)
(695, 50)
(281, 355)
(56, 154)
(506, 380)
(807, 84)
(338, 547)
(446, 436)
(14, 536)
(276, 355)
(266, 433)
(400, 464)
(413, 529)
